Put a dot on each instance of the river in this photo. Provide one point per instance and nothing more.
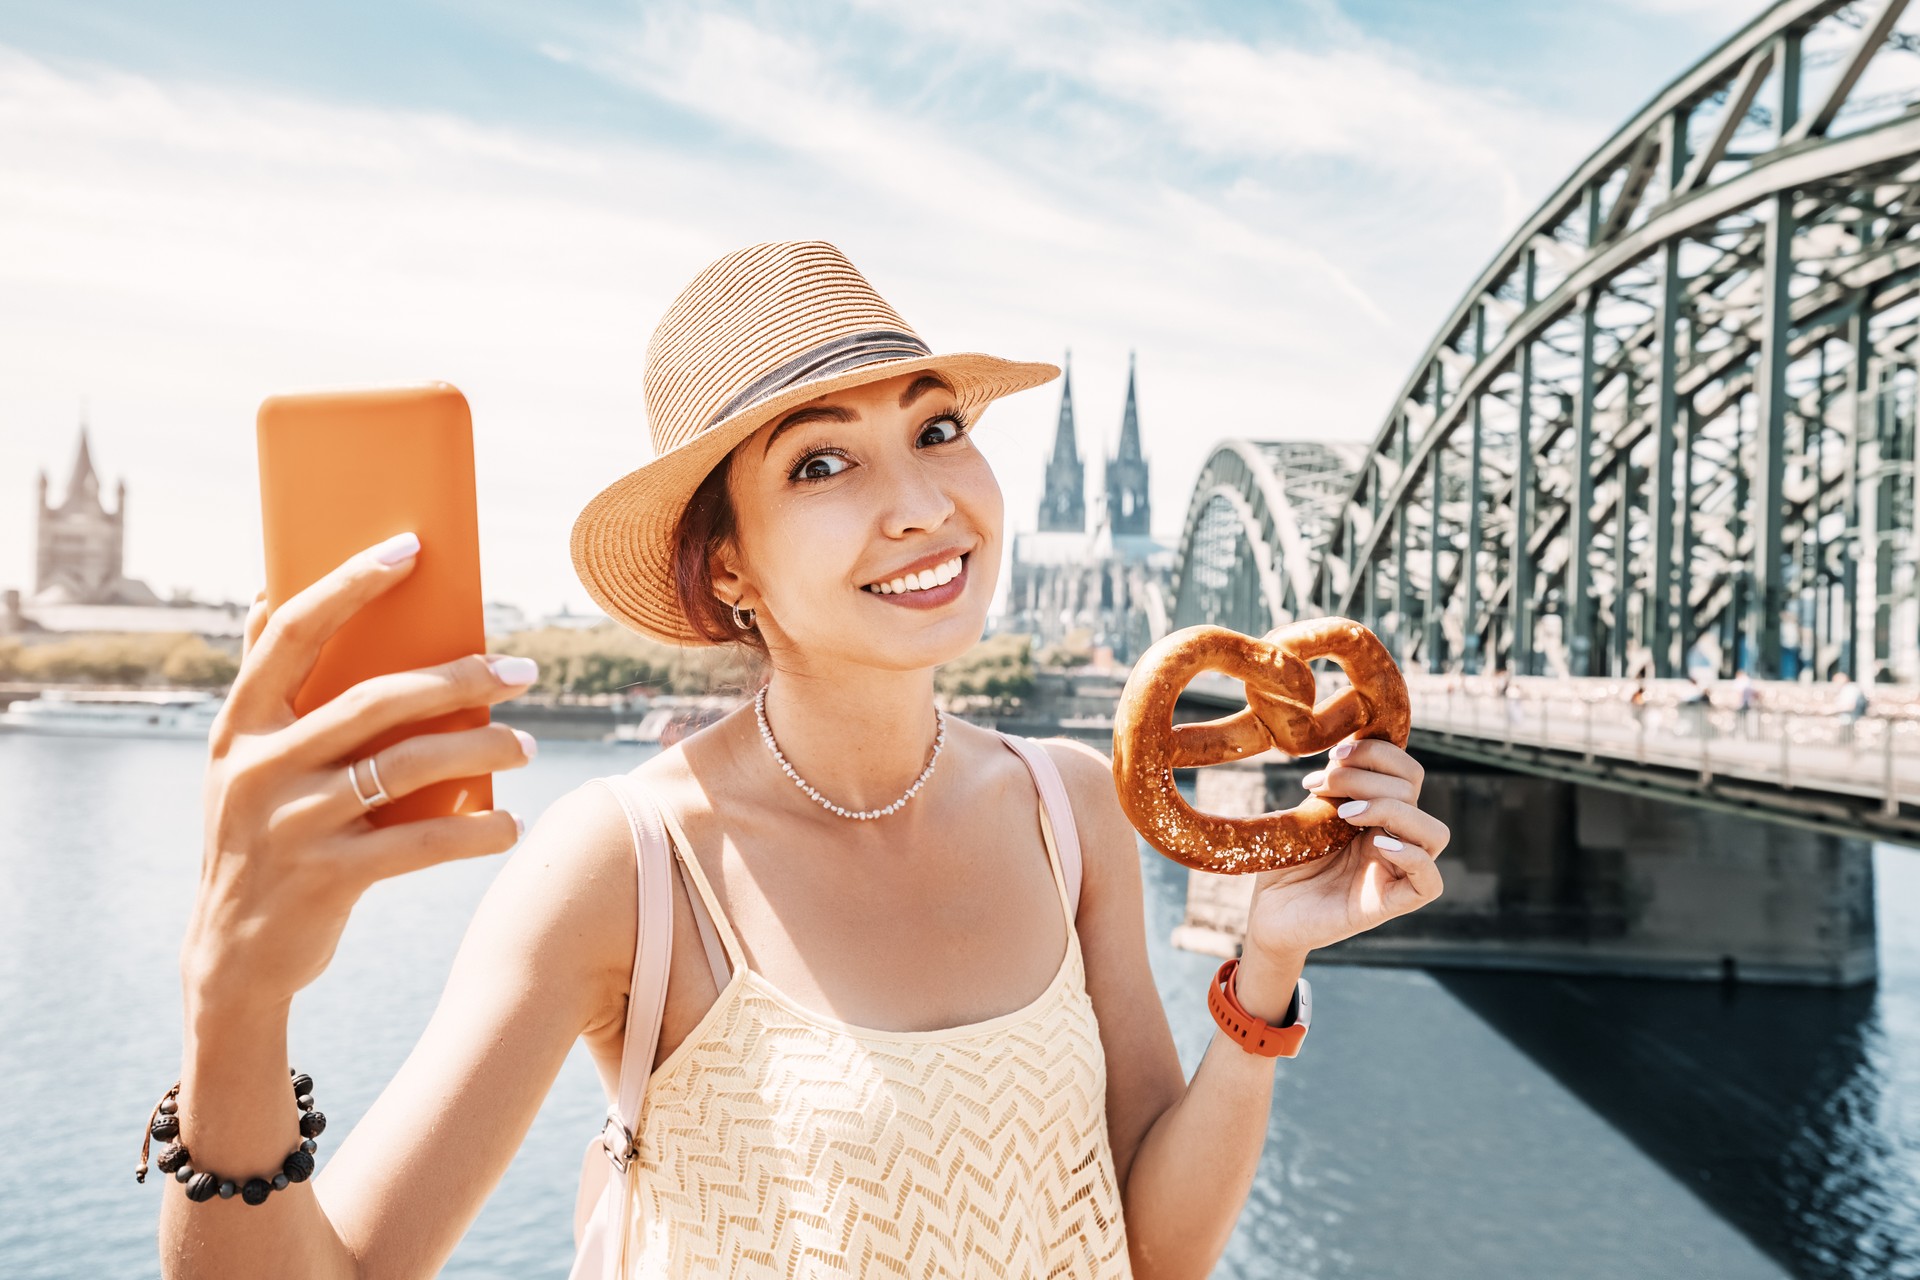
(1440, 1124)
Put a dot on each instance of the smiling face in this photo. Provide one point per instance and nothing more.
(866, 529)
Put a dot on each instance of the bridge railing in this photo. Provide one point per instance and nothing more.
(1786, 740)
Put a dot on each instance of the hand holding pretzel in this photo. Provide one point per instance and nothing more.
(1148, 746)
(1325, 873)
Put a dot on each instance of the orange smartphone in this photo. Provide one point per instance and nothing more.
(340, 471)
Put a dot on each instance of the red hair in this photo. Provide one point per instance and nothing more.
(706, 526)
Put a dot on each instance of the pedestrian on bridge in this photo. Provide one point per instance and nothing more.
(1746, 700)
(1696, 707)
(1850, 702)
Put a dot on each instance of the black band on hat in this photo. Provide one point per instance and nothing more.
(849, 351)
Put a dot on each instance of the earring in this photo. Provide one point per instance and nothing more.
(742, 619)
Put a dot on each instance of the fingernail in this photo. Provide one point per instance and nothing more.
(1388, 842)
(397, 548)
(1314, 779)
(1352, 809)
(519, 826)
(514, 670)
(1342, 751)
(527, 744)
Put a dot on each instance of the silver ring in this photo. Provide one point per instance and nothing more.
(379, 796)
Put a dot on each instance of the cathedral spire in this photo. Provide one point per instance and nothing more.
(83, 484)
(1130, 450)
(1128, 511)
(1063, 506)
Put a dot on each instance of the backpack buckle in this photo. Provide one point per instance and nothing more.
(617, 1140)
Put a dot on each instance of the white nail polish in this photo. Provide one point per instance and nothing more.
(397, 548)
(1314, 779)
(1352, 809)
(1388, 842)
(514, 670)
(519, 826)
(527, 744)
(1342, 750)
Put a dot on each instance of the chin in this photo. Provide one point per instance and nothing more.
(921, 646)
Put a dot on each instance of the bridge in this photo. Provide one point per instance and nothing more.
(1668, 431)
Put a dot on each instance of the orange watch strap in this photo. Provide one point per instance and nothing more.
(1255, 1035)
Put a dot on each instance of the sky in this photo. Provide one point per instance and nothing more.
(1271, 205)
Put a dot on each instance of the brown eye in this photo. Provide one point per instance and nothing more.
(943, 429)
(819, 466)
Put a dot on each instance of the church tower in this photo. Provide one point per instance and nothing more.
(1063, 507)
(1127, 503)
(80, 544)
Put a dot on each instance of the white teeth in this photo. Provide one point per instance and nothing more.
(939, 575)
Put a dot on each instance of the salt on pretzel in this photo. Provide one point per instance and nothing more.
(1281, 712)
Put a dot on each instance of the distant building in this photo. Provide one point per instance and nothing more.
(78, 580)
(501, 618)
(1128, 507)
(1063, 504)
(573, 621)
(1113, 579)
(79, 545)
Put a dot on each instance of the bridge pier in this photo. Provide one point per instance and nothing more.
(1559, 876)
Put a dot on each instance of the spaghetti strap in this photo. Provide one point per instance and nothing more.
(1057, 827)
(735, 956)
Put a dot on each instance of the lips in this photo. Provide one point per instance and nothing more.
(927, 579)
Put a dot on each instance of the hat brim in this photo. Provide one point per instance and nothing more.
(622, 540)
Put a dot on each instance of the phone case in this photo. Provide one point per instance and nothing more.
(341, 471)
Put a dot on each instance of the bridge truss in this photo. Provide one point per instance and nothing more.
(1261, 511)
(1673, 419)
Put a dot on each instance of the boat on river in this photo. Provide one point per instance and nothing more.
(123, 713)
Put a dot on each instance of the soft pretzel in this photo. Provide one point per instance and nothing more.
(1148, 746)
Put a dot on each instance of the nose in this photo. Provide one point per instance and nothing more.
(916, 499)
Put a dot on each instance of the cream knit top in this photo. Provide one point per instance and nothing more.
(778, 1142)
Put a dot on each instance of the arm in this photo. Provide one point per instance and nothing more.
(544, 960)
(288, 850)
(1186, 1154)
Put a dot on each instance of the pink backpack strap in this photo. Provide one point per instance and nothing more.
(600, 1210)
(1053, 797)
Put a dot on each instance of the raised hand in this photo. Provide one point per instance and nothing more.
(288, 848)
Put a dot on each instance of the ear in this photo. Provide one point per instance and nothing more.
(729, 581)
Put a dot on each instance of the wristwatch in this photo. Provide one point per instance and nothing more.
(1256, 1035)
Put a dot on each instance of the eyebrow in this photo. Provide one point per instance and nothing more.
(818, 413)
(925, 382)
(834, 413)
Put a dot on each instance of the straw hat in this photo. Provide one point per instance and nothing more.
(758, 332)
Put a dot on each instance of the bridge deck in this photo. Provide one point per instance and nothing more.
(1794, 758)
(1818, 768)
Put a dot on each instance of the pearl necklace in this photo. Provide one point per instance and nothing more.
(865, 815)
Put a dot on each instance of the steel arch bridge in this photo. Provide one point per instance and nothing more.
(1260, 512)
(1673, 417)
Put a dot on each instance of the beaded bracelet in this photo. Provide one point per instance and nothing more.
(164, 1124)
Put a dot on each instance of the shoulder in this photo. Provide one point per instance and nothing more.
(567, 901)
(1085, 769)
(1109, 849)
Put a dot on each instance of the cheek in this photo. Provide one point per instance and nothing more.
(795, 543)
(979, 492)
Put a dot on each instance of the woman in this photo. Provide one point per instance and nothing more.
(914, 1047)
